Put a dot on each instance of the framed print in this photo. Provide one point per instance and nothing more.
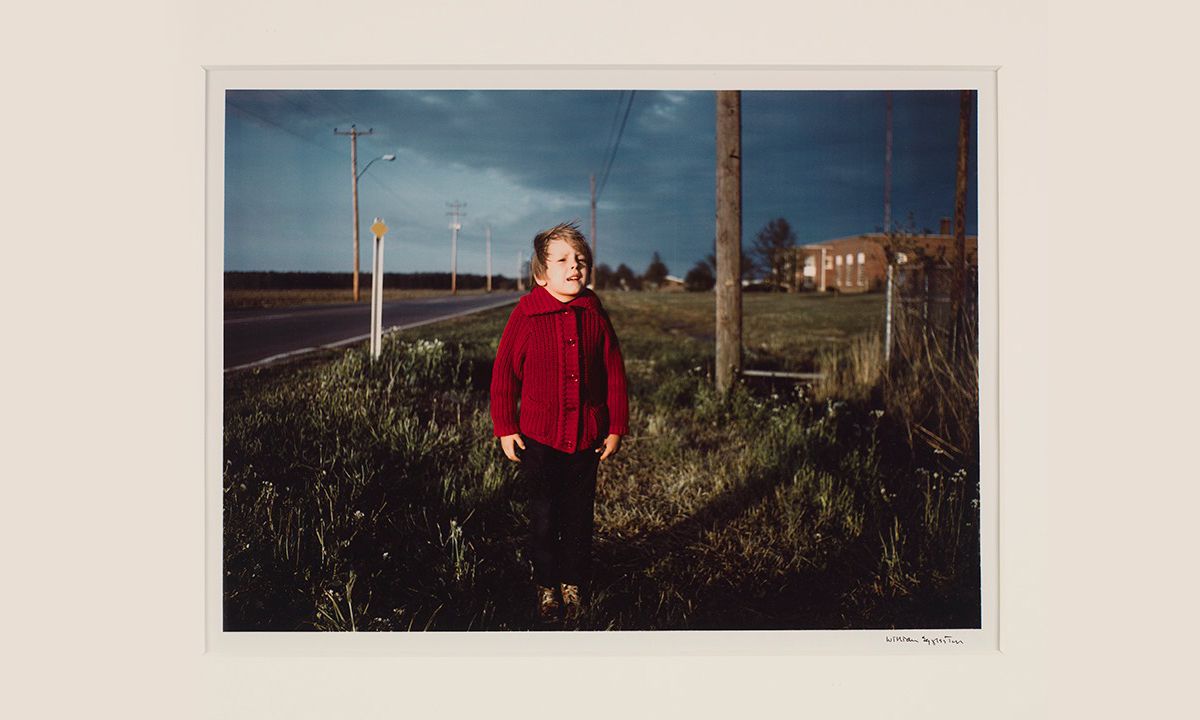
(240, 491)
(837, 495)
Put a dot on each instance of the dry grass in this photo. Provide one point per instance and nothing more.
(851, 371)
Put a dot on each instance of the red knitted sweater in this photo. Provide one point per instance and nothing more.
(563, 362)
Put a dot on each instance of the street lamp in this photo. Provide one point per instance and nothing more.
(389, 157)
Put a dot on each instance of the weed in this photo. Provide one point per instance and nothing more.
(370, 495)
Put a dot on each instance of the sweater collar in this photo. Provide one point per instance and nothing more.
(539, 301)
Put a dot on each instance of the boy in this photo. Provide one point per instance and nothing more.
(559, 356)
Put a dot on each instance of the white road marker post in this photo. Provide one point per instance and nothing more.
(379, 230)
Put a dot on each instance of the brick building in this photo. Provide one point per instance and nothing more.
(858, 263)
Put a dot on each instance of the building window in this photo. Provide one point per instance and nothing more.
(862, 261)
(838, 277)
(810, 266)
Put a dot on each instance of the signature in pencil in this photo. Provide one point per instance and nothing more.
(929, 641)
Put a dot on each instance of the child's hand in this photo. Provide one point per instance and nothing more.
(507, 443)
(611, 444)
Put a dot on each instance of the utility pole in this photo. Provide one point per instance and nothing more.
(455, 226)
(729, 238)
(488, 235)
(595, 261)
(887, 168)
(890, 253)
(354, 134)
(966, 100)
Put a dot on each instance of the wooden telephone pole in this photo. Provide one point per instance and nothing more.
(966, 100)
(489, 257)
(729, 238)
(354, 133)
(887, 167)
(455, 226)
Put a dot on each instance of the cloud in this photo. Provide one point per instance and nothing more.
(521, 161)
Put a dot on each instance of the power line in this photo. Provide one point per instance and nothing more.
(323, 96)
(612, 126)
(286, 97)
(616, 145)
(405, 205)
(289, 131)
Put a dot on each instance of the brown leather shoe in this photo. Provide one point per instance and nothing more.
(548, 605)
(572, 605)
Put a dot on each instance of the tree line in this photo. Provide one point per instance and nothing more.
(769, 258)
(271, 280)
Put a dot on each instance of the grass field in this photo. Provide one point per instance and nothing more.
(372, 496)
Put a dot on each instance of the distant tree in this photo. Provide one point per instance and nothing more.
(626, 279)
(656, 272)
(748, 265)
(773, 250)
(702, 277)
(603, 277)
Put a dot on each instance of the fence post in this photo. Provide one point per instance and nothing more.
(887, 321)
(925, 301)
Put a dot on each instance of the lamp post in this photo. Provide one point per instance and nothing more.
(354, 133)
(353, 160)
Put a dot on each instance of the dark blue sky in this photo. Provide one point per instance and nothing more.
(520, 160)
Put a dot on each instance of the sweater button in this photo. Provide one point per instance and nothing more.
(570, 341)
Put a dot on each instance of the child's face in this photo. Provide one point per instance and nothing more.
(566, 271)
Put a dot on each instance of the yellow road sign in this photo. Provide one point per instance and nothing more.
(379, 229)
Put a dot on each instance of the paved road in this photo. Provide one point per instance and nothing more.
(260, 336)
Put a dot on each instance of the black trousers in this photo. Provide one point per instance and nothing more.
(562, 500)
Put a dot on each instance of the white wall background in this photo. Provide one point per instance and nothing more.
(104, 394)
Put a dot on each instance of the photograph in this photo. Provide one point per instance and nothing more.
(640, 359)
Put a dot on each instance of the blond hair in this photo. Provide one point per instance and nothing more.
(568, 233)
